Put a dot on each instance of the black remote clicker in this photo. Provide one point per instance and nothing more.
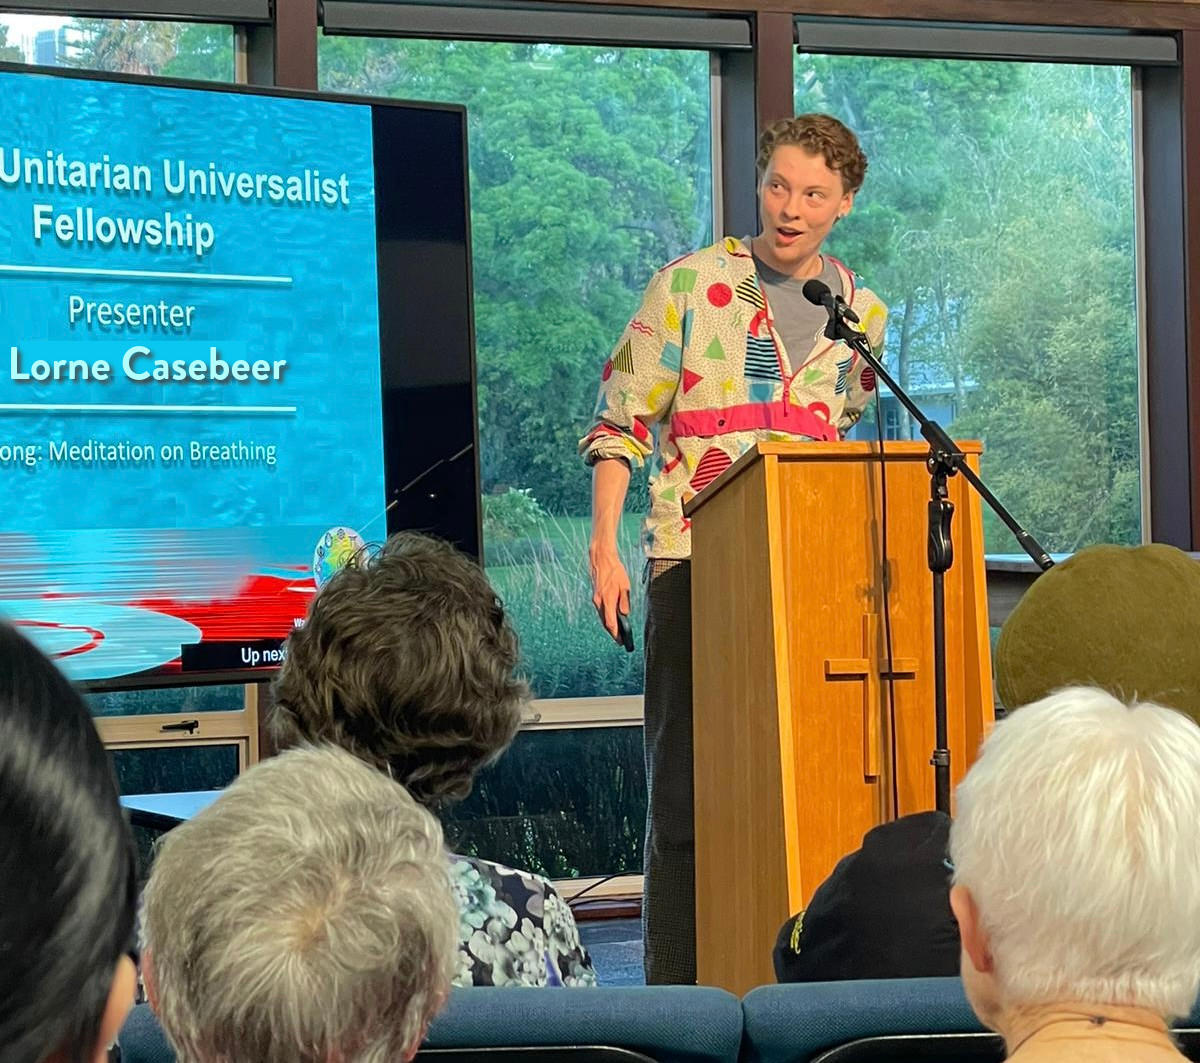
(625, 631)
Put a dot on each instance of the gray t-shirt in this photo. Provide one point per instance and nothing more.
(798, 322)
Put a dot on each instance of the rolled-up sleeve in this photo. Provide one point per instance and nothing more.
(640, 378)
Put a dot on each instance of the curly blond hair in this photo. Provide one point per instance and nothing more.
(819, 134)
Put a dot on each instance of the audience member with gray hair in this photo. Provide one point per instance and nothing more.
(407, 660)
(304, 917)
(1077, 878)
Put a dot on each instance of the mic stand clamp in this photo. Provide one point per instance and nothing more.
(945, 460)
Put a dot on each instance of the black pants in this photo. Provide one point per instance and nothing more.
(669, 901)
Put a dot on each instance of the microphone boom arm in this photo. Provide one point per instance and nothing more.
(944, 449)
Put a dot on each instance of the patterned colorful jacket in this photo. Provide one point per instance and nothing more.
(700, 375)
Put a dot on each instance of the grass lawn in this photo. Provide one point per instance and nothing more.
(543, 579)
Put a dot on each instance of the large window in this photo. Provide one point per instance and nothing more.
(168, 700)
(590, 168)
(535, 809)
(997, 221)
(124, 46)
(157, 770)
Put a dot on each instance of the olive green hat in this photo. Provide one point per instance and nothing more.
(1126, 619)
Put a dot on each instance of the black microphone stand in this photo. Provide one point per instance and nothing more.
(945, 459)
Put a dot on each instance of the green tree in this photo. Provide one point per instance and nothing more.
(589, 170)
(921, 123)
(195, 51)
(997, 220)
(9, 53)
(1052, 337)
(124, 46)
(203, 53)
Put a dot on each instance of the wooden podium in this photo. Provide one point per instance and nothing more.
(793, 734)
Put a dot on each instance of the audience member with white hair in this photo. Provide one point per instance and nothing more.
(305, 916)
(1077, 878)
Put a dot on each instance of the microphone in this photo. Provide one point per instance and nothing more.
(818, 293)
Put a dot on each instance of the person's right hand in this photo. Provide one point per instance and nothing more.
(610, 587)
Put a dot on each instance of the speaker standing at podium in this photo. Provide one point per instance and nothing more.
(723, 352)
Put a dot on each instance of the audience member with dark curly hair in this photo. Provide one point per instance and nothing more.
(407, 661)
(68, 882)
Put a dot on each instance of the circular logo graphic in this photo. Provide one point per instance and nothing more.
(335, 550)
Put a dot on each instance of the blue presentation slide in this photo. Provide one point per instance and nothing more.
(190, 390)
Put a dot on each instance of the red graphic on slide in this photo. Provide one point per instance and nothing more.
(263, 607)
(88, 637)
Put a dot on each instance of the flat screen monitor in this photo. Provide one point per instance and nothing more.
(237, 348)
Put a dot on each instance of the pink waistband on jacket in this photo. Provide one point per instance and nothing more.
(811, 420)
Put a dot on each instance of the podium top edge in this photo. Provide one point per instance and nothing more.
(906, 449)
(893, 450)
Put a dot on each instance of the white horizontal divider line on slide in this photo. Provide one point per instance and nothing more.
(148, 274)
(116, 407)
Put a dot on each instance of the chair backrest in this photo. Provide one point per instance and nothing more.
(571, 1054)
(142, 1039)
(887, 1021)
(636, 1024)
(796, 1023)
(926, 1019)
(1188, 1040)
(952, 1048)
(668, 1024)
(923, 1047)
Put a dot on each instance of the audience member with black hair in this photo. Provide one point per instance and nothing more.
(68, 881)
(407, 661)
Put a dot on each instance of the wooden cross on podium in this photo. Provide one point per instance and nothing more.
(871, 669)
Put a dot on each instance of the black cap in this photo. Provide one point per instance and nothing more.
(883, 913)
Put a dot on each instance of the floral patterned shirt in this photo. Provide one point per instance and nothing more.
(514, 929)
